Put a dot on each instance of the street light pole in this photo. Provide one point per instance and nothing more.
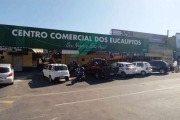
(167, 39)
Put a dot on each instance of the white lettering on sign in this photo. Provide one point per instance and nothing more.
(13, 32)
(52, 35)
(26, 33)
(65, 36)
(58, 36)
(74, 37)
(20, 33)
(69, 45)
(44, 35)
(32, 33)
(79, 37)
(37, 34)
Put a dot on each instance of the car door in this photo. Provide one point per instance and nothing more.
(45, 70)
(48, 70)
(139, 67)
(157, 65)
(92, 66)
(121, 67)
(152, 63)
(135, 64)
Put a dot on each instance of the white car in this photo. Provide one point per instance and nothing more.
(143, 68)
(6, 74)
(56, 72)
(125, 68)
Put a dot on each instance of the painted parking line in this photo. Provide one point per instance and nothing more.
(6, 102)
(116, 96)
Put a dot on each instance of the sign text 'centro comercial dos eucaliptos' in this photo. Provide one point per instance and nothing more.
(38, 34)
(19, 36)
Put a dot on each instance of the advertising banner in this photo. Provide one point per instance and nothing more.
(122, 33)
(18, 36)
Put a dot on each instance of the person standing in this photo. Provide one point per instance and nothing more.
(174, 66)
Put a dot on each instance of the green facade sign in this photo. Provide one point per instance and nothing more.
(18, 36)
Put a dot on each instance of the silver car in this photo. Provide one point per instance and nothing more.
(6, 74)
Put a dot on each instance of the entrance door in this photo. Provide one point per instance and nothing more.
(17, 63)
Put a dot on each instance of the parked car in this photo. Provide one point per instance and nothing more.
(160, 66)
(143, 68)
(6, 74)
(125, 68)
(56, 72)
(100, 68)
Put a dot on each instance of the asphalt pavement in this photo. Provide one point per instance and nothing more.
(32, 97)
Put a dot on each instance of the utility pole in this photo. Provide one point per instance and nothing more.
(167, 39)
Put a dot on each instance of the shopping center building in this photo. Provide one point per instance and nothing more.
(158, 44)
(174, 44)
(27, 47)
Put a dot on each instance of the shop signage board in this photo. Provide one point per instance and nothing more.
(18, 36)
(10, 49)
(122, 33)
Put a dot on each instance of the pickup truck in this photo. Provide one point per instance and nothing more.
(100, 69)
(56, 72)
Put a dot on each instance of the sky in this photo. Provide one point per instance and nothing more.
(94, 16)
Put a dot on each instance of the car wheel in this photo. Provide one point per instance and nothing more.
(162, 71)
(67, 78)
(143, 73)
(123, 74)
(50, 79)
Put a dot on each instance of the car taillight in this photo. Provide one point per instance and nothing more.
(10, 74)
(127, 68)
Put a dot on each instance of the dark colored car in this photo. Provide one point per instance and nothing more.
(100, 68)
(160, 66)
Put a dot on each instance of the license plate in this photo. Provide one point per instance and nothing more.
(111, 73)
(61, 77)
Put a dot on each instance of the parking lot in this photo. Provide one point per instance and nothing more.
(134, 98)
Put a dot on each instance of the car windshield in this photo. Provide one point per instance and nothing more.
(129, 65)
(60, 68)
(166, 63)
(4, 70)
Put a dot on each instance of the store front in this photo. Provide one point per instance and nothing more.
(68, 46)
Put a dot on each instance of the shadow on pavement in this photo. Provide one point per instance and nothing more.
(91, 80)
(23, 75)
(158, 74)
(140, 76)
(74, 81)
(3, 85)
(38, 81)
